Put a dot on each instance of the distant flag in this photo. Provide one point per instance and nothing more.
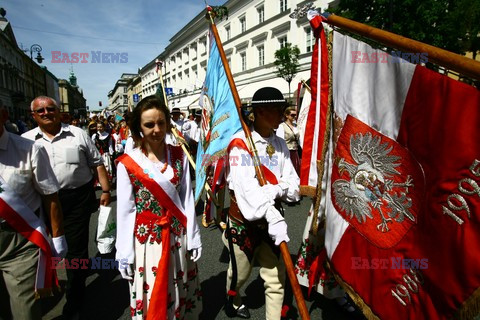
(403, 196)
(159, 93)
(302, 111)
(219, 119)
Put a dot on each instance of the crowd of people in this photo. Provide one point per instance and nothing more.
(156, 221)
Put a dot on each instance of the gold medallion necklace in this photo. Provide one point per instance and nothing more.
(270, 149)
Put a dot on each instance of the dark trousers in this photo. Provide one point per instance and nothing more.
(77, 206)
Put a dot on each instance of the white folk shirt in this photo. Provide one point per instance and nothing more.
(179, 124)
(25, 167)
(252, 201)
(194, 133)
(72, 154)
(126, 209)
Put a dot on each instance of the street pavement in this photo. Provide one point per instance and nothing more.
(107, 293)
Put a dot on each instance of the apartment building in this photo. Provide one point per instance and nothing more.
(117, 97)
(254, 30)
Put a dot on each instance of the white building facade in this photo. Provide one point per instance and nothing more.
(118, 96)
(254, 30)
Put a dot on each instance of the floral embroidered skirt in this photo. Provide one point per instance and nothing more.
(309, 250)
(184, 295)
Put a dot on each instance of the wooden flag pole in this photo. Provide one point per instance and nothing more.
(447, 59)
(302, 307)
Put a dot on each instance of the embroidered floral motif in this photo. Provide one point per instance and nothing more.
(146, 287)
(139, 306)
(133, 312)
(141, 232)
(146, 204)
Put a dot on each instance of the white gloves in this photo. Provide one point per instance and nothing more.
(277, 227)
(195, 254)
(273, 191)
(278, 232)
(60, 246)
(126, 271)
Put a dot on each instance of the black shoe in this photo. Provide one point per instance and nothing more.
(241, 312)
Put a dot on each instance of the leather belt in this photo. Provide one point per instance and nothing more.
(237, 216)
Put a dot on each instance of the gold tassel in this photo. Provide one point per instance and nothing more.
(367, 312)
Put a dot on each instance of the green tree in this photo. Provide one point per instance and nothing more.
(286, 61)
(448, 24)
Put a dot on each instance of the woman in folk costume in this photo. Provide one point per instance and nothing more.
(156, 210)
(105, 145)
(255, 225)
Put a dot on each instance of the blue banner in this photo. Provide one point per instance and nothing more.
(219, 118)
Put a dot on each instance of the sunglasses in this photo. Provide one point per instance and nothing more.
(293, 115)
(45, 110)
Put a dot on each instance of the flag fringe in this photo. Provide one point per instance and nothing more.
(367, 312)
(308, 191)
(47, 292)
(470, 308)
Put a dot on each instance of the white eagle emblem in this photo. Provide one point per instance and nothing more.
(371, 182)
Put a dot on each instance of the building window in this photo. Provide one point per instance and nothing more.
(261, 14)
(243, 58)
(204, 46)
(261, 55)
(283, 5)
(243, 24)
(282, 41)
(309, 39)
(227, 31)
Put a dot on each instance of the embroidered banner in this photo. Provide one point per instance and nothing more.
(402, 250)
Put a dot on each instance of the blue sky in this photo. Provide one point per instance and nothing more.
(140, 28)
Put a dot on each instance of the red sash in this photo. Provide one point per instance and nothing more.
(21, 218)
(239, 143)
(158, 302)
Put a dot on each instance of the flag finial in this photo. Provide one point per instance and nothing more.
(301, 12)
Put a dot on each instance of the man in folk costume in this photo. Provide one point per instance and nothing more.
(176, 119)
(27, 183)
(255, 224)
(73, 156)
(156, 210)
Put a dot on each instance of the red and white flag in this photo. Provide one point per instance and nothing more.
(403, 197)
(312, 119)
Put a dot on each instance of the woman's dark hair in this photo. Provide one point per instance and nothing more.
(147, 103)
